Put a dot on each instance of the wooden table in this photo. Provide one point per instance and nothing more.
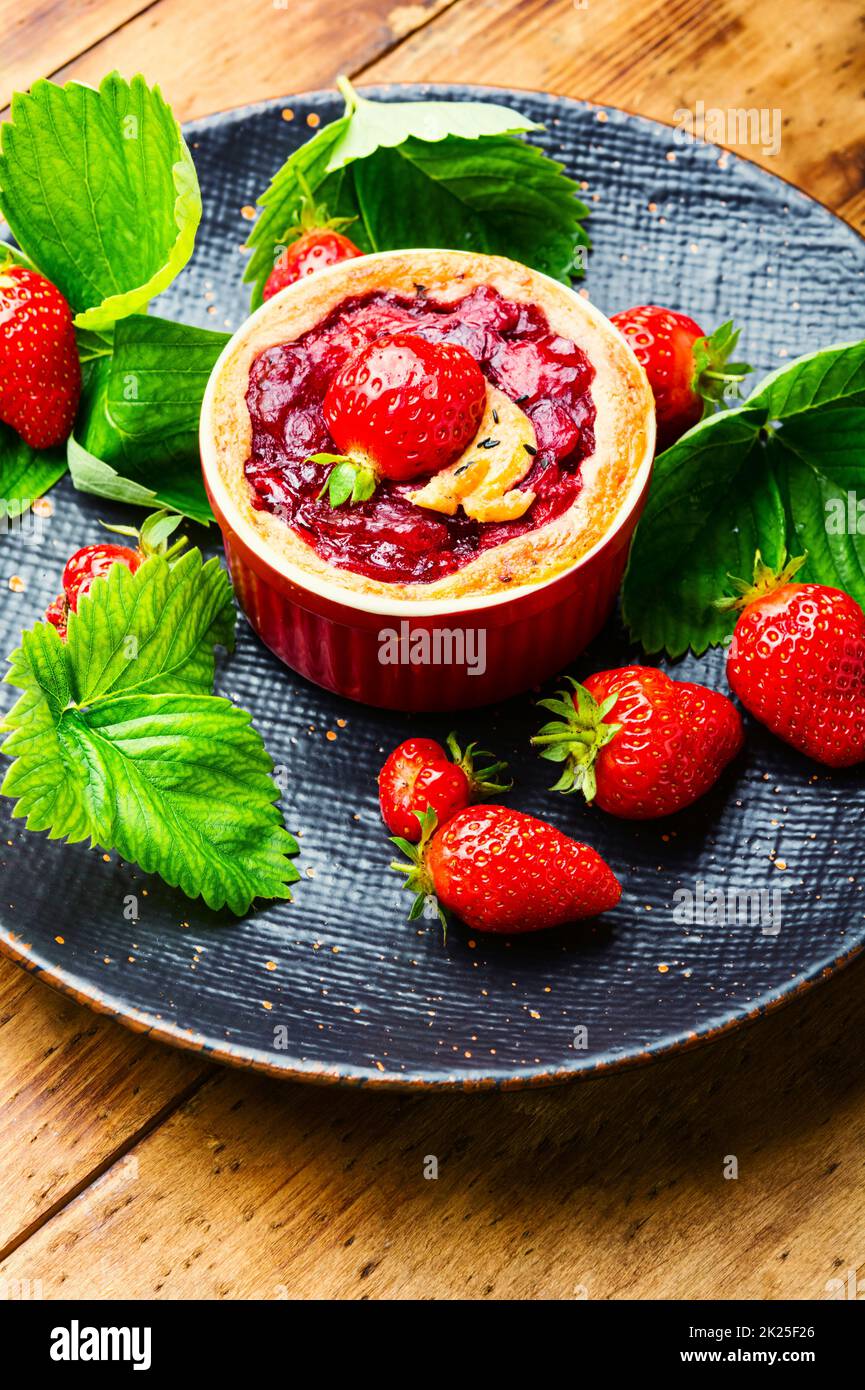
(127, 1169)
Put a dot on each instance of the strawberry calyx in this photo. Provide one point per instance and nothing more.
(576, 737)
(714, 376)
(153, 534)
(766, 580)
(313, 216)
(418, 877)
(347, 480)
(483, 781)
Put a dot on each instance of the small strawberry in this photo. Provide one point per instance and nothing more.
(313, 251)
(797, 662)
(638, 743)
(316, 243)
(419, 774)
(688, 370)
(504, 871)
(93, 562)
(400, 408)
(40, 374)
(57, 614)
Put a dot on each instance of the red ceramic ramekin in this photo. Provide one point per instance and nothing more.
(412, 654)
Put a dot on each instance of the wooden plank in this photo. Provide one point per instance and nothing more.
(607, 1189)
(654, 57)
(39, 38)
(206, 61)
(75, 1089)
(854, 210)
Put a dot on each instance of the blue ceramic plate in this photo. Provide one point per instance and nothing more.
(337, 985)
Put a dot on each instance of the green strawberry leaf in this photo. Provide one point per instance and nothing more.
(150, 631)
(494, 194)
(92, 344)
(91, 474)
(116, 740)
(75, 164)
(136, 439)
(107, 462)
(179, 784)
(159, 373)
(25, 473)
(820, 465)
(764, 476)
(831, 376)
(480, 187)
(379, 125)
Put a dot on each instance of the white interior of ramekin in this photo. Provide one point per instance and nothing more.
(375, 603)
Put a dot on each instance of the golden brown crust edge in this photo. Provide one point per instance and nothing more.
(624, 423)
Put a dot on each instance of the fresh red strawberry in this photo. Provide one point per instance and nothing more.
(638, 743)
(688, 371)
(312, 251)
(419, 774)
(504, 871)
(315, 242)
(57, 614)
(40, 375)
(402, 408)
(91, 563)
(797, 663)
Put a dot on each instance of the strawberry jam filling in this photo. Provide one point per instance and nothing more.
(388, 537)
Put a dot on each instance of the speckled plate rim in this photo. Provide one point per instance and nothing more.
(298, 1069)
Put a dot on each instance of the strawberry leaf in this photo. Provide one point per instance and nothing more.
(25, 473)
(480, 187)
(74, 164)
(820, 467)
(116, 738)
(136, 439)
(769, 475)
(378, 125)
(283, 202)
(178, 784)
(150, 631)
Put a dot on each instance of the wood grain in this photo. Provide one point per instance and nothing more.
(803, 57)
(208, 57)
(38, 38)
(74, 1090)
(607, 1189)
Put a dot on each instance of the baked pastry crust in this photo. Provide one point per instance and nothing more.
(624, 421)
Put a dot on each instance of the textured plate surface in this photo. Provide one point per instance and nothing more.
(336, 985)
